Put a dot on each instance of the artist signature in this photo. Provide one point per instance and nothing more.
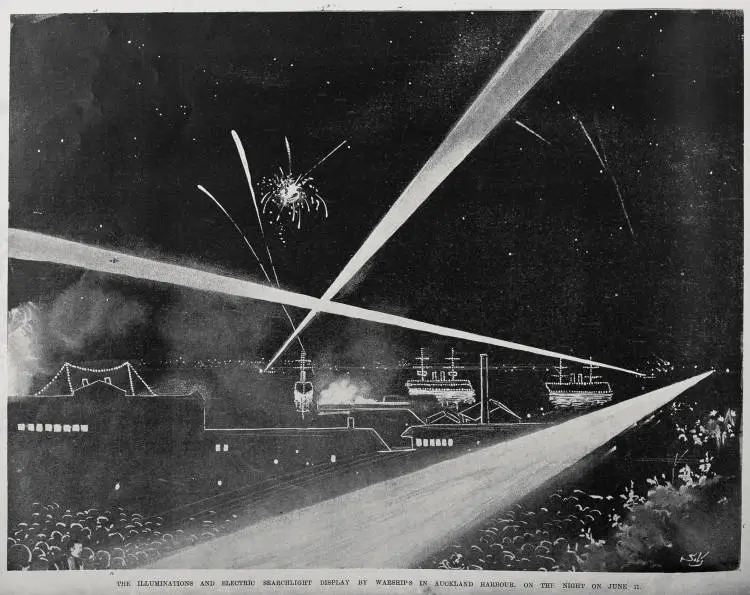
(695, 560)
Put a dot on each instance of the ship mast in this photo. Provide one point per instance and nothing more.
(303, 391)
(560, 369)
(303, 365)
(452, 373)
(422, 371)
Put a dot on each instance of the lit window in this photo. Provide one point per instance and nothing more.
(419, 442)
(47, 427)
(450, 441)
(39, 427)
(84, 428)
(76, 428)
(218, 447)
(226, 447)
(66, 428)
(21, 427)
(432, 442)
(333, 458)
(57, 428)
(445, 442)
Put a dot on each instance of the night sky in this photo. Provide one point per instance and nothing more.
(115, 119)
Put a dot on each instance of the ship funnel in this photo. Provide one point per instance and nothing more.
(484, 375)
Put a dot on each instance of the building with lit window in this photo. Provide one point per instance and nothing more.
(102, 435)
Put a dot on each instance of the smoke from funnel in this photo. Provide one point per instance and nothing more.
(346, 391)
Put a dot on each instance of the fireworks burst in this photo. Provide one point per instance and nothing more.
(290, 195)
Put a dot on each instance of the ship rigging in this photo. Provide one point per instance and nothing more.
(449, 390)
(303, 388)
(577, 391)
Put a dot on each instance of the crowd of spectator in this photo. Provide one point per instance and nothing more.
(552, 537)
(680, 484)
(53, 538)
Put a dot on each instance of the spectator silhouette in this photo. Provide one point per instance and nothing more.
(19, 557)
(87, 555)
(118, 563)
(133, 539)
(39, 564)
(102, 560)
(72, 560)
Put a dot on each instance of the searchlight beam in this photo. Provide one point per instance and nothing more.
(400, 522)
(544, 44)
(27, 245)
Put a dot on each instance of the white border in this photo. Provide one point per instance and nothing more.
(102, 582)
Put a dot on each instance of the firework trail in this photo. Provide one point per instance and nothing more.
(526, 128)
(252, 251)
(548, 39)
(601, 141)
(622, 203)
(243, 158)
(341, 144)
(591, 142)
(611, 175)
(237, 227)
(614, 180)
(37, 247)
(246, 168)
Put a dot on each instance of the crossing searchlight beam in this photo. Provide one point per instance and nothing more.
(544, 44)
(27, 245)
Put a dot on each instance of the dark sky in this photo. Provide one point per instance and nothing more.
(116, 118)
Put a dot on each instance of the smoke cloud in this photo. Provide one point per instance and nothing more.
(204, 329)
(24, 348)
(88, 312)
(102, 320)
(346, 391)
(75, 326)
(198, 325)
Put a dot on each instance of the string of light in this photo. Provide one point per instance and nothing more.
(67, 366)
